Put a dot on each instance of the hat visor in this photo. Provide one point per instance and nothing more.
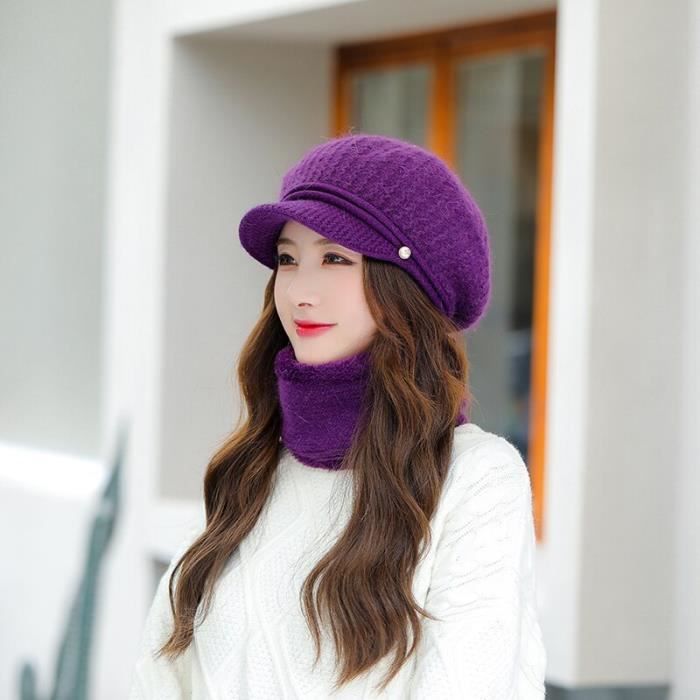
(260, 227)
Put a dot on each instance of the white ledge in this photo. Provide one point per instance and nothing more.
(52, 473)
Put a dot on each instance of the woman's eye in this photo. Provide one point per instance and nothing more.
(282, 257)
(334, 255)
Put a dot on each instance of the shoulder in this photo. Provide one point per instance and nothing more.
(191, 532)
(475, 450)
(484, 463)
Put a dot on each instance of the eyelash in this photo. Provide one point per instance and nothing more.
(335, 255)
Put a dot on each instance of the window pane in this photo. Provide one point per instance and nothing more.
(392, 102)
(498, 128)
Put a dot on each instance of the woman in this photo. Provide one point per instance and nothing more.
(363, 538)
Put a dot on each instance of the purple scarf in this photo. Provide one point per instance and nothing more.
(321, 405)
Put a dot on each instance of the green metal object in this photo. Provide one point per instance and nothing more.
(72, 666)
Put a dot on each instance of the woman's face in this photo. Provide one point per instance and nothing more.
(320, 281)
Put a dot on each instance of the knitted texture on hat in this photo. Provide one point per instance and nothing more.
(321, 405)
(391, 200)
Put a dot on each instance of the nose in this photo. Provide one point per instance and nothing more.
(303, 289)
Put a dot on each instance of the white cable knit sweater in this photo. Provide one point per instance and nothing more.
(478, 577)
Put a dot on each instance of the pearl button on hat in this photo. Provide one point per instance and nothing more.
(388, 199)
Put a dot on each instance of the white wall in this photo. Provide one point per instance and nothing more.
(686, 614)
(240, 113)
(54, 65)
(568, 379)
(54, 89)
(636, 332)
(621, 159)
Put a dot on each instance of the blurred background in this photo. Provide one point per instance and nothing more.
(133, 137)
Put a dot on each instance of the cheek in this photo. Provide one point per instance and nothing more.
(277, 295)
(352, 300)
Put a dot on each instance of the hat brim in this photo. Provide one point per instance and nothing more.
(260, 227)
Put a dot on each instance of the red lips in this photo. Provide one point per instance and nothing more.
(309, 324)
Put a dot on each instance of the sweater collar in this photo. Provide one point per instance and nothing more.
(320, 405)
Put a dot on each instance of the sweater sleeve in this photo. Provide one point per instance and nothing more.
(162, 678)
(487, 644)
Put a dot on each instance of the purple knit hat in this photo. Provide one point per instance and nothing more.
(387, 199)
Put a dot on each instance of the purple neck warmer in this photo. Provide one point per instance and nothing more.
(321, 405)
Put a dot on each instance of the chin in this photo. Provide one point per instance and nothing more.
(310, 355)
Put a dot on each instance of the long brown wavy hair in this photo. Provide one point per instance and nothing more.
(399, 456)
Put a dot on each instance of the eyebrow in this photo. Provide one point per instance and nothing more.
(320, 241)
